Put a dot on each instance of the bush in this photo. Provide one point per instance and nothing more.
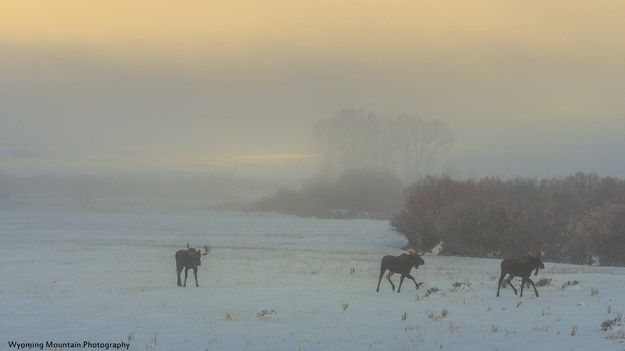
(357, 193)
(573, 219)
(600, 236)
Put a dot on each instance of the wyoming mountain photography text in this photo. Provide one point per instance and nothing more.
(68, 345)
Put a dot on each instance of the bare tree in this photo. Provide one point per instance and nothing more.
(418, 142)
(353, 139)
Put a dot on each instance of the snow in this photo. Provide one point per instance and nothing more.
(275, 282)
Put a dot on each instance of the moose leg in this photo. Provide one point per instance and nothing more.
(401, 281)
(522, 285)
(195, 275)
(509, 282)
(178, 271)
(186, 271)
(500, 281)
(382, 270)
(527, 284)
(388, 277)
(534, 285)
(412, 278)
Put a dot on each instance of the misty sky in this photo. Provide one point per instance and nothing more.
(113, 87)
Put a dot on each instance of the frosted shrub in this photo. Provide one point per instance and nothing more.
(614, 328)
(438, 317)
(543, 282)
(267, 314)
(570, 284)
(432, 291)
(617, 333)
(461, 286)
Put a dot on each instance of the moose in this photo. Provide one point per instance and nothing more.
(189, 258)
(401, 265)
(521, 267)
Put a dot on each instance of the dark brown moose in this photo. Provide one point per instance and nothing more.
(401, 265)
(189, 258)
(521, 267)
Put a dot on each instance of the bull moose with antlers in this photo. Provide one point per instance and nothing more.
(401, 265)
(189, 258)
(521, 267)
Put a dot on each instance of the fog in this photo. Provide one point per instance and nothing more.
(101, 93)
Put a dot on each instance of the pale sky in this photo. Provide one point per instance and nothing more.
(528, 87)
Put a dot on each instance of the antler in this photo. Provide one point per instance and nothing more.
(541, 254)
(207, 249)
(414, 252)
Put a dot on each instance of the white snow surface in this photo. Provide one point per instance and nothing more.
(110, 277)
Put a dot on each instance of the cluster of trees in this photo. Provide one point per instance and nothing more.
(365, 160)
(355, 194)
(406, 145)
(576, 219)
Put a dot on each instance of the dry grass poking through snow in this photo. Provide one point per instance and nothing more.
(281, 283)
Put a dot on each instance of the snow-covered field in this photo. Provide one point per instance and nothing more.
(105, 277)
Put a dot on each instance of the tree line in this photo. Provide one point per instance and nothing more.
(128, 192)
(354, 194)
(365, 159)
(576, 219)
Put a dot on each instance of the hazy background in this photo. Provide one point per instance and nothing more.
(233, 89)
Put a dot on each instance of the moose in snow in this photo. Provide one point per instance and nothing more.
(401, 265)
(521, 267)
(189, 258)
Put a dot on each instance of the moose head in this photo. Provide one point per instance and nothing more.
(195, 254)
(415, 257)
